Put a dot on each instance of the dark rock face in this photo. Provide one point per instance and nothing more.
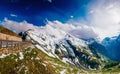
(82, 59)
(96, 47)
(23, 35)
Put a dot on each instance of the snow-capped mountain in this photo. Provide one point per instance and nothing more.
(58, 43)
(112, 46)
(108, 47)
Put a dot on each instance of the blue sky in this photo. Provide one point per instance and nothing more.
(102, 16)
(37, 11)
(82, 18)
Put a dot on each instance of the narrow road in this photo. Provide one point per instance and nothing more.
(7, 46)
(8, 43)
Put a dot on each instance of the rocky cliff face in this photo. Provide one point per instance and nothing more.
(65, 47)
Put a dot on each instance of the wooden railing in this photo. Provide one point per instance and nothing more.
(7, 46)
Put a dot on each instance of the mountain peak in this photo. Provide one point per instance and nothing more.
(58, 43)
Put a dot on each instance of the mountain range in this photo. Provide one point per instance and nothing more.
(86, 54)
(64, 53)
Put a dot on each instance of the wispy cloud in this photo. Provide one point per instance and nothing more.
(50, 1)
(13, 15)
(103, 16)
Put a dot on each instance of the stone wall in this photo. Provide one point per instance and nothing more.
(14, 49)
(9, 37)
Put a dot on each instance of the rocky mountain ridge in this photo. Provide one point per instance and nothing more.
(66, 47)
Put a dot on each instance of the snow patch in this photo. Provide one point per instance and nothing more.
(3, 55)
(63, 71)
(44, 64)
(37, 58)
(43, 50)
(21, 56)
(65, 60)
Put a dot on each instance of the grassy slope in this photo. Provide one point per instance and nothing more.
(7, 31)
(36, 62)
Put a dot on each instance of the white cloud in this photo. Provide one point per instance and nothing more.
(13, 15)
(55, 28)
(104, 16)
(83, 32)
(50, 1)
(17, 26)
(79, 31)
(71, 16)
